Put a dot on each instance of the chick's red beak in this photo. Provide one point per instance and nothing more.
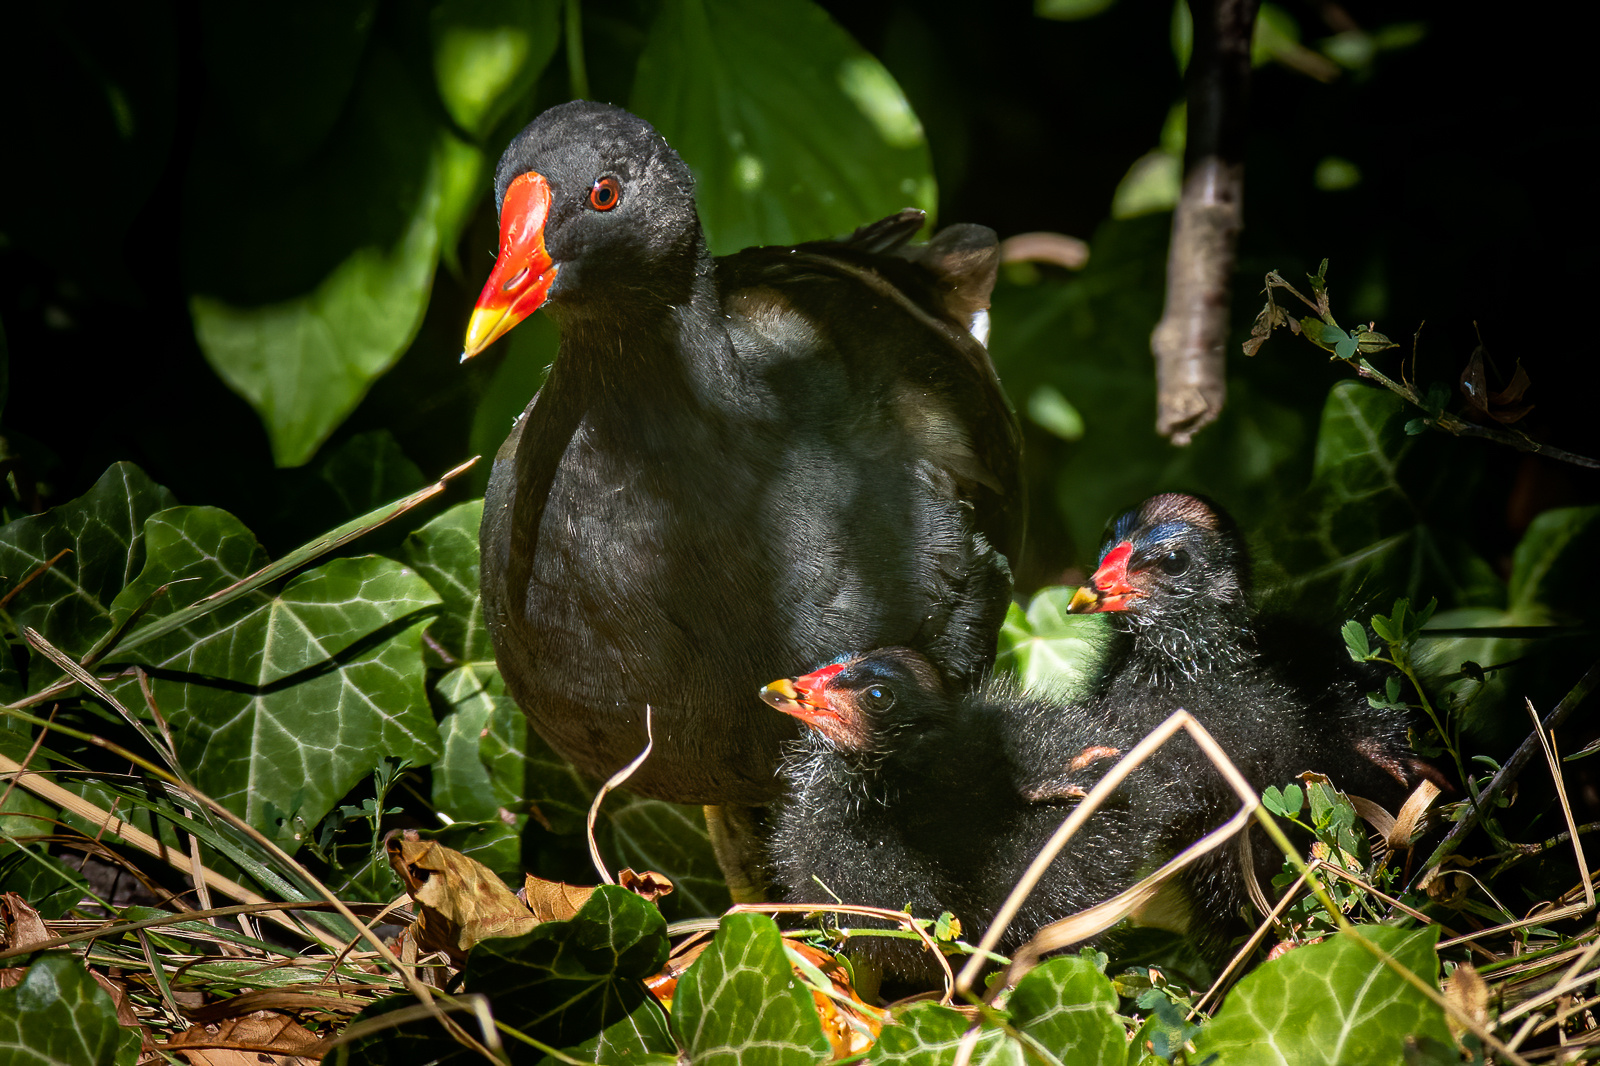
(523, 272)
(807, 698)
(1109, 589)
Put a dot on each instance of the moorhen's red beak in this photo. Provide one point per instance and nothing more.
(522, 274)
(807, 699)
(1109, 588)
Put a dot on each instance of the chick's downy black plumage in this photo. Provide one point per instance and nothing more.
(1174, 577)
(776, 456)
(903, 794)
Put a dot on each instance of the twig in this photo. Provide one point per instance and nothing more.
(1513, 766)
(1188, 342)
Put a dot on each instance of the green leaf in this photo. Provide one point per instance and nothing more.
(572, 985)
(298, 748)
(741, 994)
(1069, 1006)
(301, 327)
(103, 532)
(1328, 338)
(191, 552)
(316, 617)
(649, 834)
(926, 1034)
(577, 985)
(367, 471)
(1047, 645)
(445, 553)
(1384, 510)
(50, 887)
(1332, 1002)
(58, 1015)
(487, 55)
(740, 90)
(482, 767)
(1355, 639)
(1070, 10)
(1554, 569)
(280, 704)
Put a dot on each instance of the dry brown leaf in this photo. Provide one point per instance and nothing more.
(20, 924)
(259, 1039)
(552, 901)
(460, 901)
(1503, 405)
(1466, 991)
(649, 885)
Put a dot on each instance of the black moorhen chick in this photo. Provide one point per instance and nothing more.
(736, 464)
(1175, 576)
(902, 794)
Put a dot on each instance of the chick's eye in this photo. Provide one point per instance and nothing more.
(1174, 562)
(606, 194)
(878, 697)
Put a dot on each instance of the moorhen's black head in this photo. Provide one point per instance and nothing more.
(596, 209)
(1176, 575)
(869, 706)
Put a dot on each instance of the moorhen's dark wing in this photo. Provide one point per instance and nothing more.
(734, 466)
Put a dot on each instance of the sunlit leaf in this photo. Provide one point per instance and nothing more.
(1069, 1007)
(741, 993)
(57, 1016)
(738, 90)
(487, 54)
(1332, 1002)
(926, 1034)
(1047, 648)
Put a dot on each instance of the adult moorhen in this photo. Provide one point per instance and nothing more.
(1280, 699)
(906, 795)
(735, 465)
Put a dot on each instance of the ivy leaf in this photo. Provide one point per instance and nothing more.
(58, 1015)
(236, 684)
(578, 984)
(741, 994)
(1332, 1002)
(926, 1034)
(103, 533)
(650, 834)
(574, 985)
(1048, 646)
(738, 90)
(1069, 1006)
(445, 553)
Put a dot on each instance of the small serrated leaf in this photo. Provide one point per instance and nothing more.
(1355, 639)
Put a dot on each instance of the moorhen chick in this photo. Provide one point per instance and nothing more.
(905, 794)
(1174, 578)
(736, 464)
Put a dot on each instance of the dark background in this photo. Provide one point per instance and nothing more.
(1474, 214)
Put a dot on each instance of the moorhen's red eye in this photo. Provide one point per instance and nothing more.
(606, 194)
(1174, 562)
(878, 698)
